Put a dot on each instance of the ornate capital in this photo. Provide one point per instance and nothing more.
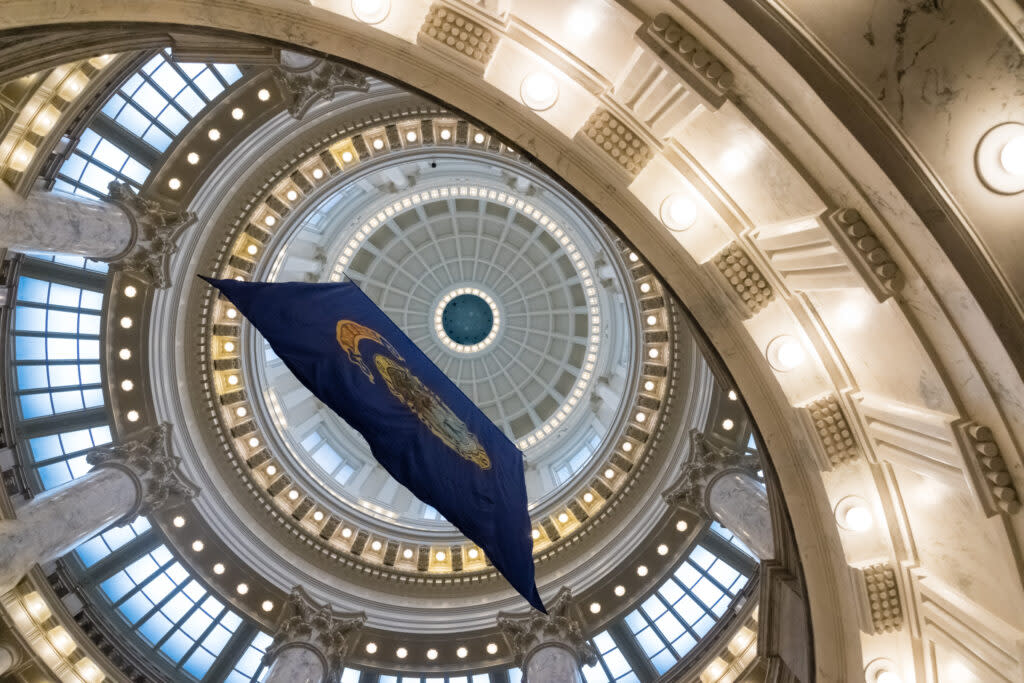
(560, 626)
(705, 461)
(319, 628)
(321, 81)
(148, 459)
(155, 236)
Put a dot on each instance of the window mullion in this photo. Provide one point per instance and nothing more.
(232, 652)
(206, 632)
(119, 559)
(155, 609)
(637, 659)
(139, 586)
(679, 617)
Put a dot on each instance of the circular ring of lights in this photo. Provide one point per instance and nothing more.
(450, 343)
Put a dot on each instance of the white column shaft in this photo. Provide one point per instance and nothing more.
(551, 664)
(296, 665)
(58, 222)
(58, 520)
(741, 505)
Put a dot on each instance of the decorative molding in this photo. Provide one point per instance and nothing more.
(704, 462)
(744, 277)
(147, 458)
(883, 597)
(321, 81)
(155, 233)
(317, 627)
(561, 626)
(833, 430)
(689, 58)
(455, 31)
(618, 141)
(881, 274)
(987, 469)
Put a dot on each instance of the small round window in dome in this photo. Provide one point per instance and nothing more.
(467, 319)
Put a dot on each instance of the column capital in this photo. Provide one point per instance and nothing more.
(147, 458)
(706, 460)
(318, 628)
(155, 232)
(561, 627)
(321, 80)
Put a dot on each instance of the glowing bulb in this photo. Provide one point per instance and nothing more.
(478, 138)
(232, 379)
(192, 158)
(271, 470)
(609, 473)
(641, 417)
(237, 113)
(1011, 156)
(124, 354)
(653, 353)
(229, 346)
(378, 143)
(563, 518)
(130, 291)
(127, 385)
(293, 495)
(652, 320)
(633, 257)
(318, 516)
(641, 570)
(678, 212)
(727, 424)
(627, 446)
(595, 607)
(376, 545)
(858, 518)
(431, 654)
(681, 525)
(461, 653)
(241, 411)
(439, 556)
(318, 173)
(178, 521)
(346, 157)
(620, 591)
(371, 11)
(492, 648)
(133, 416)
(371, 648)
(242, 588)
(407, 553)
(645, 288)
(346, 532)
(887, 677)
(198, 546)
(588, 497)
(649, 385)
(263, 94)
(252, 249)
(269, 220)
(401, 653)
(539, 91)
(213, 134)
(410, 136)
(446, 134)
(732, 395)
(253, 442)
(267, 605)
(663, 549)
(473, 553)
(535, 533)
(126, 322)
(785, 353)
(292, 195)
(218, 569)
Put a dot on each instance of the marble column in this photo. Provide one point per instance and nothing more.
(310, 642)
(549, 648)
(740, 503)
(296, 663)
(58, 222)
(128, 479)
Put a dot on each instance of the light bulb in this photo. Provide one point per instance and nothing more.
(887, 677)
(232, 379)
(198, 546)
(727, 424)
(410, 136)
(375, 546)
(858, 518)
(132, 415)
(130, 291)
(663, 549)
(461, 653)
(595, 607)
(539, 91)
(292, 195)
(473, 553)
(652, 320)
(178, 521)
(263, 94)
(446, 134)
(785, 353)
(620, 591)
(213, 134)
(371, 648)
(535, 534)
(401, 653)
(271, 470)
(678, 212)
(127, 385)
(641, 570)
(192, 158)
(253, 442)
(407, 553)
(346, 157)
(124, 354)
(318, 516)
(371, 11)
(126, 322)
(431, 654)
(237, 113)
(378, 143)
(563, 518)
(649, 385)
(318, 173)
(218, 569)
(588, 497)
(267, 606)
(681, 525)
(492, 648)
(242, 588)
(439, 556)
(1011, 156)
(478, 138)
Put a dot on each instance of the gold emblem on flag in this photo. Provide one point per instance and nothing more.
(414, 395)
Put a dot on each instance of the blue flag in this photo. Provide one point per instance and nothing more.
(421, 428)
